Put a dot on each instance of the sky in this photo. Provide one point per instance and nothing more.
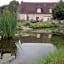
(5, 2)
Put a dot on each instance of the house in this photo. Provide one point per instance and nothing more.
(35, 11)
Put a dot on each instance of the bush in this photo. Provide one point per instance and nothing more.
(58, 11)
(27, 24)
(8, 24)
(42, 25)
(37, 25)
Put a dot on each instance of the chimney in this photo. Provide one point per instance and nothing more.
(22, 1)
(61, 0)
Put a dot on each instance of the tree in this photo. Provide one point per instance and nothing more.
(2, 8)
(13, 6)
(58, 11)
(8, 23)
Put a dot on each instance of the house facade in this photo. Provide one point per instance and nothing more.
(35, 11)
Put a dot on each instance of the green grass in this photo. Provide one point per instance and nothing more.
(55, 58)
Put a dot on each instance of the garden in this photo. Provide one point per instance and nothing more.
(11, 31)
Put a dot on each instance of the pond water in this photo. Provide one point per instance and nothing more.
(30, 52)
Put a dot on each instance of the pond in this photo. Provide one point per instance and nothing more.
(32, 47)
(30, 52)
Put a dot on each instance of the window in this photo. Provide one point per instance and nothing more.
(50, 10)
(39, 10)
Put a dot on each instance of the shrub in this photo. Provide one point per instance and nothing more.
(58, 11)
(27, 24)
(8, 24)
(42, 25)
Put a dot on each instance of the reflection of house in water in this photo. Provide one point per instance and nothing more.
(7, 46)
(36, 38)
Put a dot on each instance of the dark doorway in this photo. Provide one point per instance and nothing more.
(27, 18)
(37, 19)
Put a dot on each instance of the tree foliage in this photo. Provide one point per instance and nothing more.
(2, 8)
(58, 11)
(13, 6)
(7, 24)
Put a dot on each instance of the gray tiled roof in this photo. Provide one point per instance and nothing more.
(31, 7)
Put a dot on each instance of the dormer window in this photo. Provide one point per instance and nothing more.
(50, 10)
(39, 10)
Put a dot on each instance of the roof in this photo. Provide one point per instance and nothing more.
(31, 7)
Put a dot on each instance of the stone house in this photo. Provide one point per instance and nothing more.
(35, 11)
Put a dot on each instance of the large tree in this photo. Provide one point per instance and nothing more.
(2, 8)
(13, 6)
(8, 23)
(58, 11)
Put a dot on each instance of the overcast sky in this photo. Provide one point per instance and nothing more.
(4, 2)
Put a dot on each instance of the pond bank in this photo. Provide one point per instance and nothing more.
(56, 58)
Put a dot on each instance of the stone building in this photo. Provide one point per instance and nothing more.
(35, 11)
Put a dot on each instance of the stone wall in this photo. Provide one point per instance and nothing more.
(41, 17)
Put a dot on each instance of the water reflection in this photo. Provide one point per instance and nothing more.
(36, 38)
(7, 46)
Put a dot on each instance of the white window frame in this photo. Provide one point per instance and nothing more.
(50, 10)
(39, 10)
